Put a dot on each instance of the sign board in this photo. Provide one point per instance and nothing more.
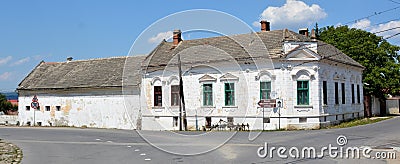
(279, 103)
(35, 102)
(269, 103)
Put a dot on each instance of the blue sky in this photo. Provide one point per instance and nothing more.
(52, 30)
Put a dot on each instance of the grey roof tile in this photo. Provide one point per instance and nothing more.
(236, 47)
(94, 73)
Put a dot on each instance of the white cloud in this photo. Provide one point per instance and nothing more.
(361, 24)
(365, 24)
(293, 14)
(5, 60)
(21, 61)
(5, 76)
(389, 25)
(160, 36)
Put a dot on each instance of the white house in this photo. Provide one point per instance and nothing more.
(81, 93)
(225, 77)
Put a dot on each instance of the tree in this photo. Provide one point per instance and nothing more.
(380, 59)
(4, 104)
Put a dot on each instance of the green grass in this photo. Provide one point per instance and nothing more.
(358, 122)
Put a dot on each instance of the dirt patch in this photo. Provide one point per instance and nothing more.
(9, 153)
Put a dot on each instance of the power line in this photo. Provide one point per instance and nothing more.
(369, 16)
(391, 36)
(387, 30)
(394, 1)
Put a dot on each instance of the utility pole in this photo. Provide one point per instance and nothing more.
(182, 110)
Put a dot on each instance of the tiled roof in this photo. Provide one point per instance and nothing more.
(237, 47)
(94, 73)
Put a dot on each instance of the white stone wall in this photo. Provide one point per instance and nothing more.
(97, 110)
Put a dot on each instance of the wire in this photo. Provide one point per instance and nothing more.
(391, 36)
(386, 30)
(394, 1)
(369, 16)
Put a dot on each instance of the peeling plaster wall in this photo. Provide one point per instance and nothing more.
(99, 110)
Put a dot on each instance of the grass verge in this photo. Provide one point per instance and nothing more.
(358, 122)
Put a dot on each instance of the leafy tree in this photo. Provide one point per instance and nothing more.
(4, 104)
(380, 59)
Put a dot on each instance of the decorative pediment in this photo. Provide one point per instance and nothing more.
(229, 76)
(207, 77)
(302, 53)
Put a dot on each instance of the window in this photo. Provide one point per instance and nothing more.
(336, 93)
(47, 108)
(229, 94)
(27, 108)
(325, 93)
(343, 94)
(358, 94)
(207, 95)
(265, 90)
(266, 120)
(230, 119)
(353, 99)
(302, 120)
(175, 95)
(58, 108)
(302, 93)
(175, 122)
(157, 96)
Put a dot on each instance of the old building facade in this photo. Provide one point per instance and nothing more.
(223, 78)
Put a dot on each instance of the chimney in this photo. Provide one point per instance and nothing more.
(313, 35)
(265, 26)
(177, 37)
(303, 31)
(69, 59)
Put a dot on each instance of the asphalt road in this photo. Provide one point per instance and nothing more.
(75, 145)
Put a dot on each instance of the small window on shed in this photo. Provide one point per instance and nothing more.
(47, 108)
(58, 108)
(27, 108)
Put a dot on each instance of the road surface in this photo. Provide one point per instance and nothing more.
(74, 145)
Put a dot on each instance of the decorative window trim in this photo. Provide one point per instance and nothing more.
(171, 79)
(207, 78)
(229, 77)
(298, 73)
(154, 80)
(265, 73)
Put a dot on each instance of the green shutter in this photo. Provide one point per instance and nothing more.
(265, 90)
(229, 94)
(302, 93)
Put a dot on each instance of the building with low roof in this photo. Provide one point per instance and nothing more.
(80, 93)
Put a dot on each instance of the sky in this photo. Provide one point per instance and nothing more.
(52, 30)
